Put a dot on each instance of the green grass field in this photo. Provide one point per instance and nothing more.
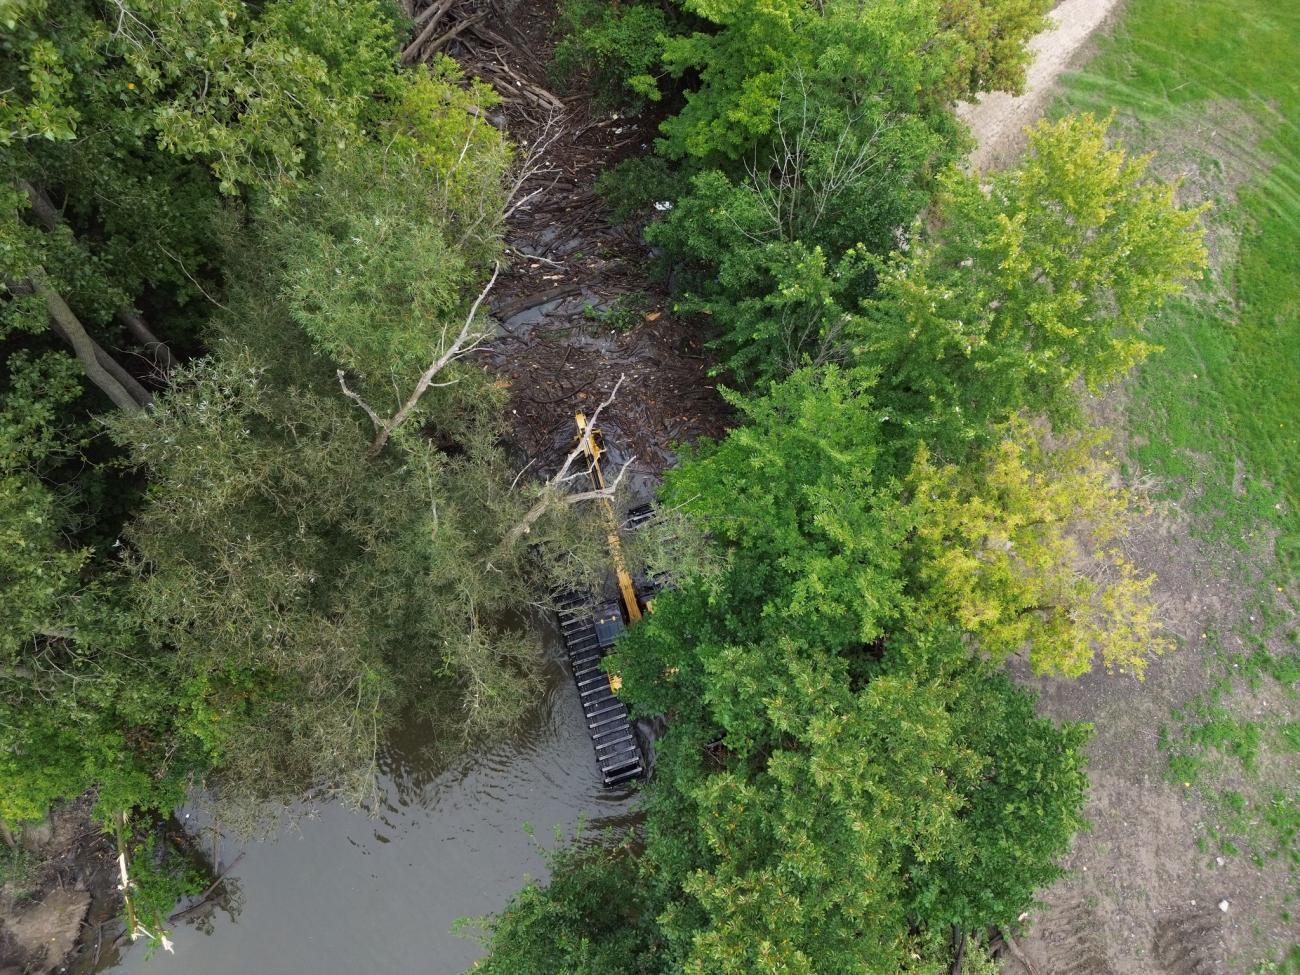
(1217, 415)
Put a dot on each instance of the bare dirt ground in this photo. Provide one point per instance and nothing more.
(69, 894)
(1140, 897)
(998, 120)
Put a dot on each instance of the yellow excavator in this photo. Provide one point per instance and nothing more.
(594, 451)
(588, 634)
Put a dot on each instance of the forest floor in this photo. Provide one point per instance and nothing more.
(577, 305)
(58, 889)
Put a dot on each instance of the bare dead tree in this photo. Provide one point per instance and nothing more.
(531, 165)
(470, 337)
(795, 196)
(553, 491)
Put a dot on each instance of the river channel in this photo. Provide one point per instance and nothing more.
(342, 893)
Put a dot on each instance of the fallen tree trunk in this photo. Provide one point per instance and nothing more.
(48, 216)
(434, 16)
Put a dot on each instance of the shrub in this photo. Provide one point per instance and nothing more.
(616, 48)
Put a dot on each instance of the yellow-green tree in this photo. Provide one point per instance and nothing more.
(1021, 547)
(1026, 289)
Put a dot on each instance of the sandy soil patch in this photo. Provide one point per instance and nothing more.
(998, 120)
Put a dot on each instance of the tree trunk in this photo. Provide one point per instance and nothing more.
(100, 368)
(135, 324)
(464, 344)
(47, 214)
(959, 950)
(1018, 953)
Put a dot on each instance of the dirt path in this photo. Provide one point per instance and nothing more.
(998, 120)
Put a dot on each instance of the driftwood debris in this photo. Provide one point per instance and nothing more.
(508, 311)
(440, 24)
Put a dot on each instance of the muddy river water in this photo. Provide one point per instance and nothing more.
(343, 893)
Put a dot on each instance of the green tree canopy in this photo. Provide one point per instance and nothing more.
(1025, 288)
(306, 530)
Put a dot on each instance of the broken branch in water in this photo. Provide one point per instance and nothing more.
(203, 897)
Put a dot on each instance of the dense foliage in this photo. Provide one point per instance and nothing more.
(245, 566)
(1040, 280)
(847, 774)
(234, 554)
(804, 135)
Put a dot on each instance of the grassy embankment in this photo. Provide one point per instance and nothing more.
(1214, 87)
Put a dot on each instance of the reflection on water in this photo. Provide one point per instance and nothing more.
(345, 893)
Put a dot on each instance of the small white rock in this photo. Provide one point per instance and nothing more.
(1220, 861)
(1223, 906)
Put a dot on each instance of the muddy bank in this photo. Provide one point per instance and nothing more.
(60, 888)
(577, 305)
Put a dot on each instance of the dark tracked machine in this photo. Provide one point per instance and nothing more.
(590, 623)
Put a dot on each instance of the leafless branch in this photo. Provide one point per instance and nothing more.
(552, 493)
(515, 483)
(585, 441)
(356, 398)
(184, 270)
(465, 342)
(607, 491)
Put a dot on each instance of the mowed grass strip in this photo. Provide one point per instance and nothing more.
(1217, 414)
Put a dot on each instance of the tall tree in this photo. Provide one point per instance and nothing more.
(305, 532)
(1025, 289)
